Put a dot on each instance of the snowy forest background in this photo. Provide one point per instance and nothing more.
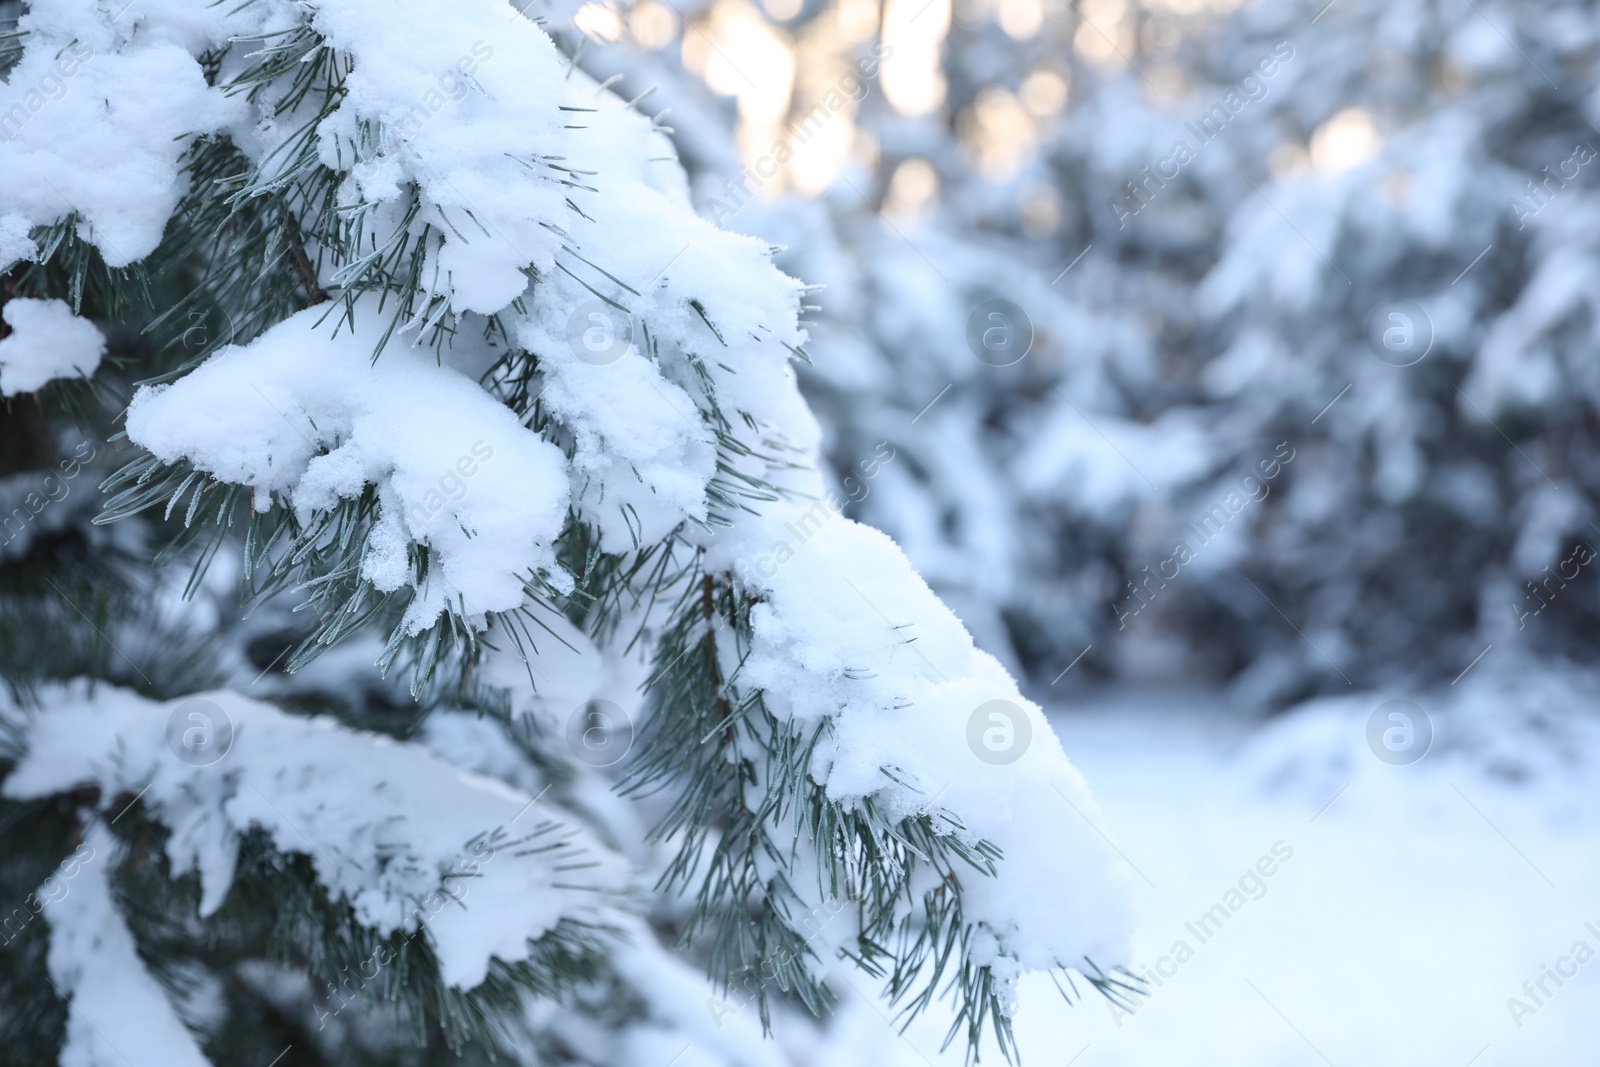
(1229, 370)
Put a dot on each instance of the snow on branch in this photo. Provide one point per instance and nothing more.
(47, 341)
(95, 119)
(483, 867)
(119, 1014)
(847, 636)
(306, 413)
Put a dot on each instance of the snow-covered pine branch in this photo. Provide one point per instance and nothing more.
(408, 217)
(412, 844)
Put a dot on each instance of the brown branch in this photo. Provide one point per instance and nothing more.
(301, 263)
(708, 608)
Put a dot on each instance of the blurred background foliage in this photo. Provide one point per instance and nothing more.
(1207, 213)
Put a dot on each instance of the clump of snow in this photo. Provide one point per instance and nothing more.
(16, 244)
(119, 1012)
(99, 113)
(306, 413)
(847, 632)
(482, 867)
(47, 341)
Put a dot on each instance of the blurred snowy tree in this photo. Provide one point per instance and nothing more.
(1353, 277)
(1310, 332)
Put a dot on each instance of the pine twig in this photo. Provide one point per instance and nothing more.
(301, 263)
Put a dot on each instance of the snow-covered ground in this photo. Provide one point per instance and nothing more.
(1414, 903)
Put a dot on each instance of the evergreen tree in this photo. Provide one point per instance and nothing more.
(456, 479)
(1224, 457)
